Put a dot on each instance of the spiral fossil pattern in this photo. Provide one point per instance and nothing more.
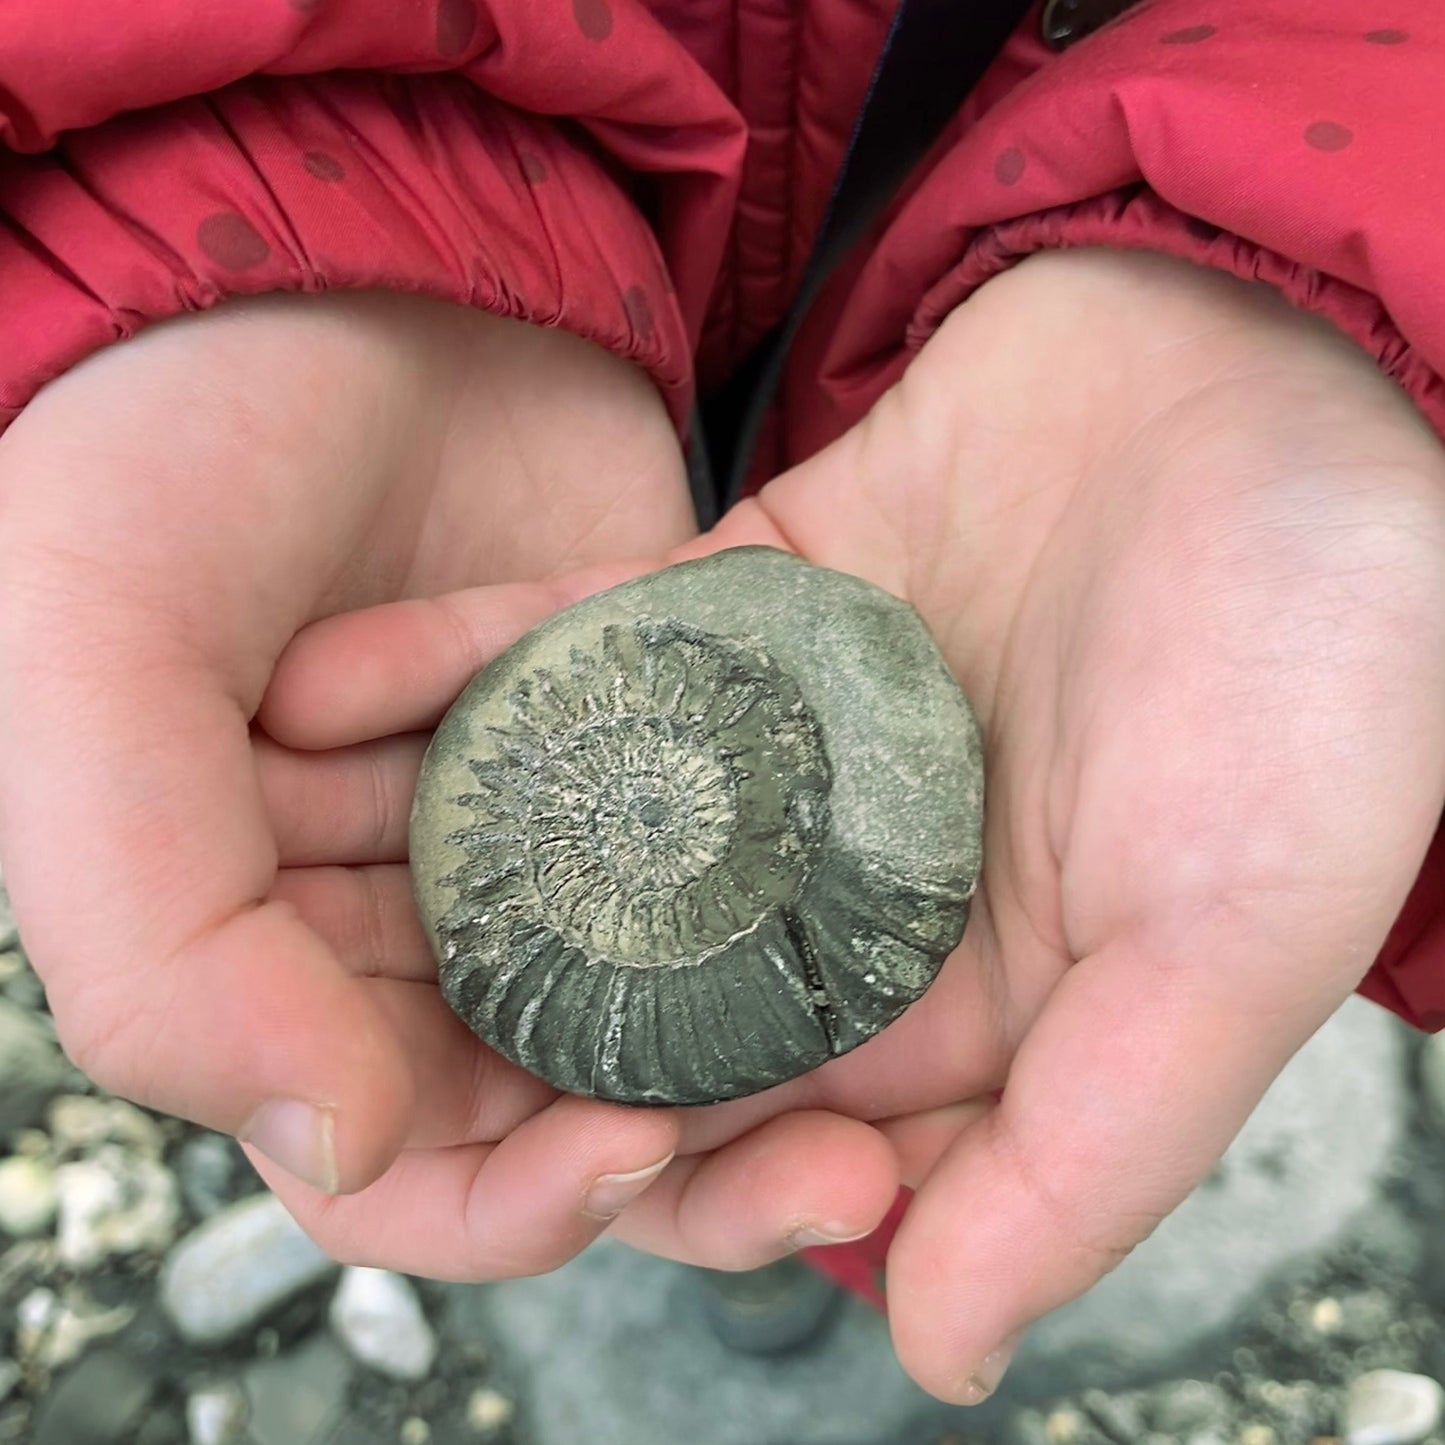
(628, 856)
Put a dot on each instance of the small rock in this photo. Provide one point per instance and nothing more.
(1188, 1407)
(32, 1069)
(414, 1431)
(1063, 1425)
(295, 1399)
(1118, 1416)
(229, 1273)
(488, 1411)
(117, 1202)
(216, 1414)
(12, 964)
(27, 1196)
(1389, 1407)
(380, 1320)
(1257, 1434)
(51, 1331)
(10, 1375)
(1432, 1077)
(208, 1165)
(103, 1399)
(79, 1123)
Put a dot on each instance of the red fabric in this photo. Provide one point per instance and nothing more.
(650, 174)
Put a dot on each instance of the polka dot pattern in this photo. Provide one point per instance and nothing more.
(1008, 169)
(323, 166)
(1190, 35)
(232, 242)
(1328, 135)
(456, 25)
(594, 18)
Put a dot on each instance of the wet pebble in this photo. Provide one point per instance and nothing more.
(32, 1068)
(27, 1196)
(103, 1399)
(297, 1398)
(229, 1273)
(1189, 1407)
(1389, 1407)
(379, 1318)
(10, 1376)
(117, 1202)
(208, 1166)
(216, 1414)
(489, 1411)
(80, 1123)
(51, 1330)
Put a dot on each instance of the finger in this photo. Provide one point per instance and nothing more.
(346, 805)
(800, 1179)
(138, 854)
(920, 1140)
(1124, 1094)
(365, 915)
(398, 667)
(493, 1211)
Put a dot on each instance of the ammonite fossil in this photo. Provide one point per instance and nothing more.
(699, 833)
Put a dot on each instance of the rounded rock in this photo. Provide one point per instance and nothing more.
(701, 832)
(380, 1320)
(28, 1196)
(1390, 1407)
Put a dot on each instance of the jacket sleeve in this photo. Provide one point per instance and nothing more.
(562, 164)
(1278, 140)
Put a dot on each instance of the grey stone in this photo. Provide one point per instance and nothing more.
(1432, 1077)
(379, 1318)
(1389, 1407)
(103, 1399)
(696, 834)
(28, 1195)
(296, 1398)
(1304, 1170)
(117, 1202)
(229, 1273)
(32, 1069)
(1188, 1406)
(10, 1376)
(216, 1414)
(208, 1167)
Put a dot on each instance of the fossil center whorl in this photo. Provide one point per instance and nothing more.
(648, 803)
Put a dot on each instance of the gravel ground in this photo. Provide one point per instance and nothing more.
(152, 1292)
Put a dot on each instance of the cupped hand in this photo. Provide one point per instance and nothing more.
(199, 898)
(1183, 548)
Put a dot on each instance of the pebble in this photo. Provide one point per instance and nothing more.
(1189, 1406)
(297, 1398)
(118, 1202)
(216, 1414)
(414, 1431)
(1432, 1077)
(27, 1196)
(379, 1319)
(51, 1331)
(489, 1410)
(229, 1273)
(10, 1375)
(207, 1166)
(102, 1400)
(32, 1068)
(79, 1123)
(1389, 1407)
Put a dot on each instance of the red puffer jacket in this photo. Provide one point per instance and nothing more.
(651, 174)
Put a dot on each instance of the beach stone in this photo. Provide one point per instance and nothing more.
(10, 1375)
(114, 1203)
(1432, 1078)
(229, 1273)
(488, 1411)
(208, 1166)
(216, 1414)
(1187, 1407)
(379, 1319)
(699, 833)
(296, 1399)
(28, 1195)
(1390, 1407)
(102, 1400)
(32, 1069)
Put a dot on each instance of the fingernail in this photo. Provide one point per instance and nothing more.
(300, 1137)
(812, 1236)
(610, 1194)
(991, 1369)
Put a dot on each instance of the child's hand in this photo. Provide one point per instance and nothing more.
(1185, 549)
(171, 513)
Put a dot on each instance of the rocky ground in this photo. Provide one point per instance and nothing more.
(152, 1292)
